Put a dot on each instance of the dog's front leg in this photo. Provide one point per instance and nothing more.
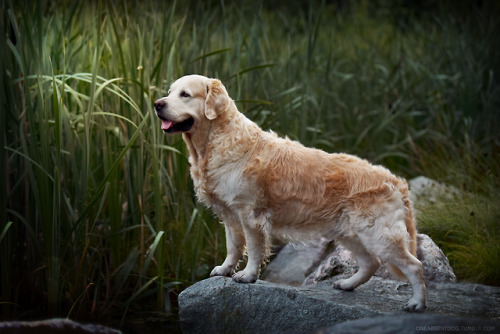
(256, 246)
(235, 243)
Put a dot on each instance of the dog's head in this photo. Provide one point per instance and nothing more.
(192, 100)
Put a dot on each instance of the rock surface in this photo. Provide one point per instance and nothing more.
(219, 305)
(304, 300)
(306, 258)
(313, 262)
(414, 323)
(435, 264)
(54, 326)
(423, 189)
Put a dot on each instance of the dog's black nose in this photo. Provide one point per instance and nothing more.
(160, 104)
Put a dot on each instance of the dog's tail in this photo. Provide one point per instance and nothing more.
(410, 227)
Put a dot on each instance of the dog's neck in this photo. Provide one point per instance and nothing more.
(226, 130)
(196, 144)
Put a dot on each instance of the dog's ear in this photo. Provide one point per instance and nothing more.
(217, 99)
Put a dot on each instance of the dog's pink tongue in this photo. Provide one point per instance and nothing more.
(166, 124)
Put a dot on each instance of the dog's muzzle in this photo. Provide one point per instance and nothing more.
(167, 125)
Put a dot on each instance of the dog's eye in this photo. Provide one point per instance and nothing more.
(185, 94)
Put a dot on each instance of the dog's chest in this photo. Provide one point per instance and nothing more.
(228, 184)
(225, 185)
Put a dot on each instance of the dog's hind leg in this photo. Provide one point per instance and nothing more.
(395, 248)
(392, 245)
(368, 265)
(411, 267)
(235, 243)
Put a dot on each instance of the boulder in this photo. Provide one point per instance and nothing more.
(297, 294)
(435, 264)
(425, 190)
(340, 261)
(316, 261)
(414, 323)
(54, 326)
(219, 305)
(295, 261)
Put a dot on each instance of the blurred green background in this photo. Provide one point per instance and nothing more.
(98, 216)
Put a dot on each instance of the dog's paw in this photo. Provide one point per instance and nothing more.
(245, 277)
(414, 306)
(221, 271)
(343, 284)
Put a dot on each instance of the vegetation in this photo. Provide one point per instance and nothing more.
(98, 213)
(466, 227)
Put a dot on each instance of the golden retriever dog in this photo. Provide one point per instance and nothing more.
(261, 186)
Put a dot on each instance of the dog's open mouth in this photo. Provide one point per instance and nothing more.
(171, 127)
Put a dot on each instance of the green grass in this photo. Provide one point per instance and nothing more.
(100, 216)
(466, 227)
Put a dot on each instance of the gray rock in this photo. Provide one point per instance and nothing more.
(414, 323)
(219, 305)
(294, 263)
(53, 326)
(435, 264)
(425, 190)
(340, 261)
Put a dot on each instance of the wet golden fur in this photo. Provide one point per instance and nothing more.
(261, 185)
